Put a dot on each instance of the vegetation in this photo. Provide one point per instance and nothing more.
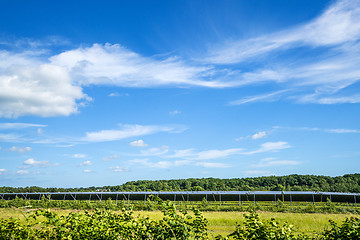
(346, 183)
(107, 224)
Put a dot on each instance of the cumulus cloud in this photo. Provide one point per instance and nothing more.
(155, 151)
(86, 163)
(212, 165)
(138, 143)
(32, 162)
(79, 155)
(45, 90)
(128, 131)
(21, 172)
(174, 112)
(259, 135)
(119, 169)
(87, 171)
(2, 170)
(19, 149)
(112, 157)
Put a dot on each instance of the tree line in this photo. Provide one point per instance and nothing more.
(346, 183)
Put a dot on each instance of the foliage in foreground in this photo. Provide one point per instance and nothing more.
(106, 224)
(255, 228)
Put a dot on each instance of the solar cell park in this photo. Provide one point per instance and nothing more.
(214, 197)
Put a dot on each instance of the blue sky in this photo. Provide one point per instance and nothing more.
(99, 93)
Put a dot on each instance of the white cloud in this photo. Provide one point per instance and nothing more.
(112, 157)
(175, 112)
(191, 154)
(259, 135)
(20, 125)
(41, 90)
(212, 165)
(119, 169)
(138, 143)
(270, 162)
(317, 98)
(86, 163)
(79, 155)
(273, 146)
(115, 94)
(128, 131)
(269, 97)
(213, 154)
(318, 76)
(341, 130)
(340, 23)
(155, 151)
(147, 163)
(22, 172)
(270, 147)
(87, 171)
(11, 137)
(32, 162)
(2, 170)
(19, 149)
(184, 153)
(115, 65)
(178, 163)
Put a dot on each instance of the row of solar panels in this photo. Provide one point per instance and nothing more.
(195, 196)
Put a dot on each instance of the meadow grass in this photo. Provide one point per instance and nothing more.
(224, 222)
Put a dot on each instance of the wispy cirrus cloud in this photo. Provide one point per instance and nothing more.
(127, 131)
(341, 130)
(20, 125)
(322, 72)
(270, 147)
(191, 154)
(169, 164)
(338, 24)
(268, 97)
(274, 162)
(315, 129)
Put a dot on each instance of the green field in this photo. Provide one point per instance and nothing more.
(224, 222)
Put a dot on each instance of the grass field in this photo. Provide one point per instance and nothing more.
(224, 222)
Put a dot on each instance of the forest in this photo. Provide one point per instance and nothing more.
(346, 183)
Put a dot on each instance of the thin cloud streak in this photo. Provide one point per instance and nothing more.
(128, 131)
